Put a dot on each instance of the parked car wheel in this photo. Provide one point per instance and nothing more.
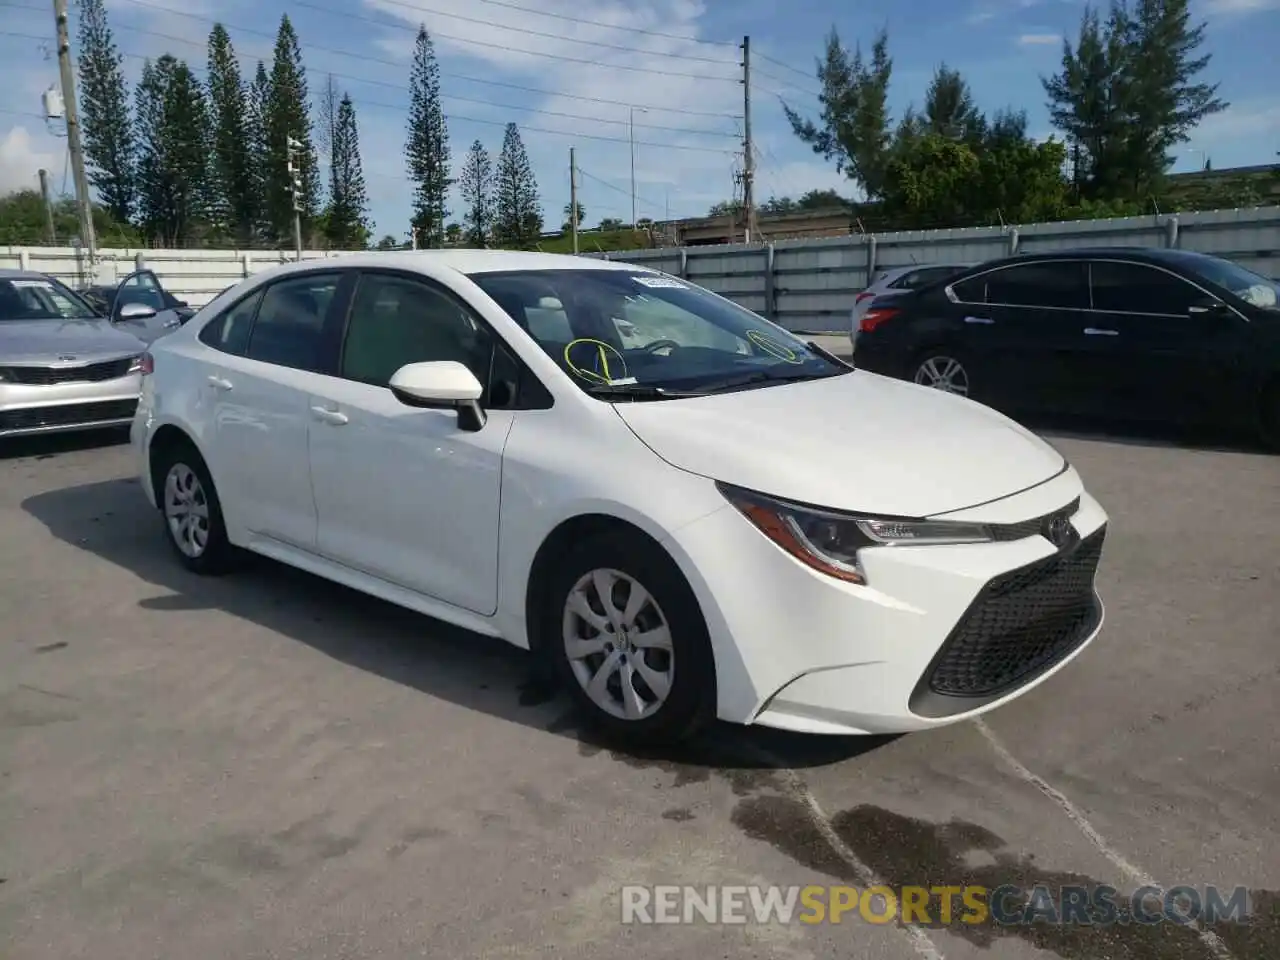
(943, 369)
(629, 642)
(191, 511)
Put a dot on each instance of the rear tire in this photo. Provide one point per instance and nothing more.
(191, 511)
(627, 639)
(943, 368)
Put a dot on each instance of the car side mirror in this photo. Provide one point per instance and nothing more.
(441, 385)
(136, 311)
(1208, 307)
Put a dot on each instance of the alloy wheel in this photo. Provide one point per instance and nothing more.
(186, 510)
(618, 644)
(943, 373)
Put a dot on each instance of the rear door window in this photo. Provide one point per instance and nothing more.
(1059, 285)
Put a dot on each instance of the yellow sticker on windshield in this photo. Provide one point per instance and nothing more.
(599, 360)
(774, 348)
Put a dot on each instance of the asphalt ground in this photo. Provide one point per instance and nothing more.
(267, 765)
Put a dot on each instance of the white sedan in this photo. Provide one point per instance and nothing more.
(703, 518)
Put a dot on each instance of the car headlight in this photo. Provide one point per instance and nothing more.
(136, 365)
(830, 541)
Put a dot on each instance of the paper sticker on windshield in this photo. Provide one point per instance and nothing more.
(660, 282)
(37, 284)
(622, 382)
(774, 348)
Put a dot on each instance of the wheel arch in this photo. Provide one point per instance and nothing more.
(164, 438)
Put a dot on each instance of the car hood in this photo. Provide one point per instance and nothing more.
(858, 442)
(45, 341)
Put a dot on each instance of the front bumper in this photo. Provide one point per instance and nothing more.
(939, 633)
(29, 409)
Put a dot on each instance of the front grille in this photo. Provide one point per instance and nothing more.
(85, 373)
(1021, 624)
(1029, 528)
(67, 415)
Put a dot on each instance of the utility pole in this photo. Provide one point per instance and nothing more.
(87, 239)
(295, 188)
(748, 148)
(48, 206)
(573, 200)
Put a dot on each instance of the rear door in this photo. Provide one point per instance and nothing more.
(1022, 332)
(1162, 360)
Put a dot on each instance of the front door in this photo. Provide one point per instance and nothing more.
(1165, 361)
(405, 494)
(144, 287)
(258, 385)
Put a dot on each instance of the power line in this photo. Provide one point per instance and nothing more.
(785, 66)
(786, 85)
(502, 46)
(416, 8)
(366, 58)
(617, 189)
(541, 91)
(609, 26)
(450, 116)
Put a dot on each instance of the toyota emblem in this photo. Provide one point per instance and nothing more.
(1059, 531)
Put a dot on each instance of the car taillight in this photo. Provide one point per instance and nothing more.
(874, 317)
(864, 295)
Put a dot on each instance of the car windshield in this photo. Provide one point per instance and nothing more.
(618, 332)
(36, 298)
(1245, 284)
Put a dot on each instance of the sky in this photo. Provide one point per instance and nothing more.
(663, 75)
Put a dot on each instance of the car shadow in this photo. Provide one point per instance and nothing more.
(111, 520)
(47, 445)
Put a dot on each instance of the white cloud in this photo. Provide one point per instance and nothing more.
(1039, 39)
(1240, 7)
(22, 156)
(597, 128)
(1248, 119)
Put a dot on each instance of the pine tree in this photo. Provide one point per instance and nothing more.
(258, 104)
(288, 116)
(517, 214)
(173, 165)
(949, 110)
(1165, 100)
(427, 146)
(346, 220)
(234, 203)
(477, 190)
(104, 113)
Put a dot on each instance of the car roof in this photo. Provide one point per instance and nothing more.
(1154, 255)
(8, 273)
(460, 261)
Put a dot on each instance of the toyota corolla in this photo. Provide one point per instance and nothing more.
(686, 511)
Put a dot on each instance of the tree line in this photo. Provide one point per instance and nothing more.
(204, 161)
(1128, 91)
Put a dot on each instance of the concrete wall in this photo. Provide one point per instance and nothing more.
(807, 284)
(810, 284)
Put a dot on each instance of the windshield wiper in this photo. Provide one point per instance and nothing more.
(638, 391)
(763, 377)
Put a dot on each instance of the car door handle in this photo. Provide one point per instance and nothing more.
(983, 320)
(335, 417)
(1098, 332)
(218, 383)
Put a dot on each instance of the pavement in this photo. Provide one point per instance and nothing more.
(270, 766)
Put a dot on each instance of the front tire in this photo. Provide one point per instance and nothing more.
(191, 511)
(629, 643)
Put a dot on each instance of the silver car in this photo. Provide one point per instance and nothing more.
(898, 280)
(63, 366)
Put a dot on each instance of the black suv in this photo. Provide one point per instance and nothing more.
(1153, 334)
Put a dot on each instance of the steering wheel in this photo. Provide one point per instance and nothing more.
(656, 345)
